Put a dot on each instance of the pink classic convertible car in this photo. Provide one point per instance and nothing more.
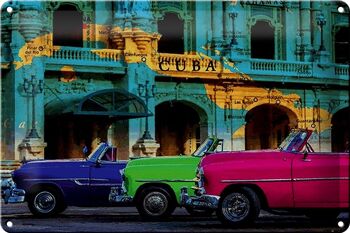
(293, 177)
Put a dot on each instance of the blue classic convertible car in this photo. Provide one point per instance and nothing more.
(50, 186)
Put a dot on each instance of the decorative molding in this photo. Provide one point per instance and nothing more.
(200, 100)
(75, 87)
(30, 24)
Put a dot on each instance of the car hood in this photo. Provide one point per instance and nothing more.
(53, 163)
(164, 160)
(224, 157)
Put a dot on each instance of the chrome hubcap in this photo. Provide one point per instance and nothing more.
(155, 203)
(44, 202)
(235, 207)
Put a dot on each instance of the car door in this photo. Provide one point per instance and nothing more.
(321, 180)
(104, 174)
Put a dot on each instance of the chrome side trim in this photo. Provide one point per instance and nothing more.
(99, 179)
(321, 178)
(69, 179)
(104, 184)
(165, 180)
(256, 180)
(57, 179)
(77, 181)
(48, 179)
(286, 180)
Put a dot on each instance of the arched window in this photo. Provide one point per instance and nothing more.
(172, 30)
(262, 42)
(341, 45)
(68, 26)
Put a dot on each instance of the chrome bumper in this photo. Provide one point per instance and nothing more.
(118, 195)
(10, 193)
(203, 201)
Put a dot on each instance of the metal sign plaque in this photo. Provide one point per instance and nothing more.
(145, 115)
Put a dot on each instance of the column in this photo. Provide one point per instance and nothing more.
(203, 25)
(316, 32)
(217, 25)
(292, 31)
(321, 55)
(306, 29)
(103, 17)
(142, 15)
(228, 25)
(239, 51)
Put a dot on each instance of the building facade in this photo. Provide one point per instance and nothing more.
(78, 72)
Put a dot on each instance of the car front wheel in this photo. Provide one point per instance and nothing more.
(45, 202)
(239, 207)
(155, 202)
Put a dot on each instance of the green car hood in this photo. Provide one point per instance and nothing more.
(165, 160)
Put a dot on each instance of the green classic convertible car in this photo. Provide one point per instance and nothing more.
(154, 184)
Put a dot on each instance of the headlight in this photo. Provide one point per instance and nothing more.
(7, 183)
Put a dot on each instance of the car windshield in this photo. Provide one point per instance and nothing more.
(204, 147)
(94, 154)
(293, 141)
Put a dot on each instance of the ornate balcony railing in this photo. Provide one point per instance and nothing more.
(272, 67)
(194, 65)
(341, 70)
(84, 54)
(86, 59)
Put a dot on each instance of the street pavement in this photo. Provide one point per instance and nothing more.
(126, 219)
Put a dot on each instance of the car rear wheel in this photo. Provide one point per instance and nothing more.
(155, 202)
(239, 207)
(45, 202)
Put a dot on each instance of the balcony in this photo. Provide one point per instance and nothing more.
(86, 59)
(286, 71)
(200, 66)
(342, 71)
(269, 67)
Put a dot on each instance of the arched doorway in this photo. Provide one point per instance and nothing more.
(267, 126)
(262, 41)
(68, 26)
(75, 122)
(172, 30)
(340, 130)
(67, 134)
(178, 128)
